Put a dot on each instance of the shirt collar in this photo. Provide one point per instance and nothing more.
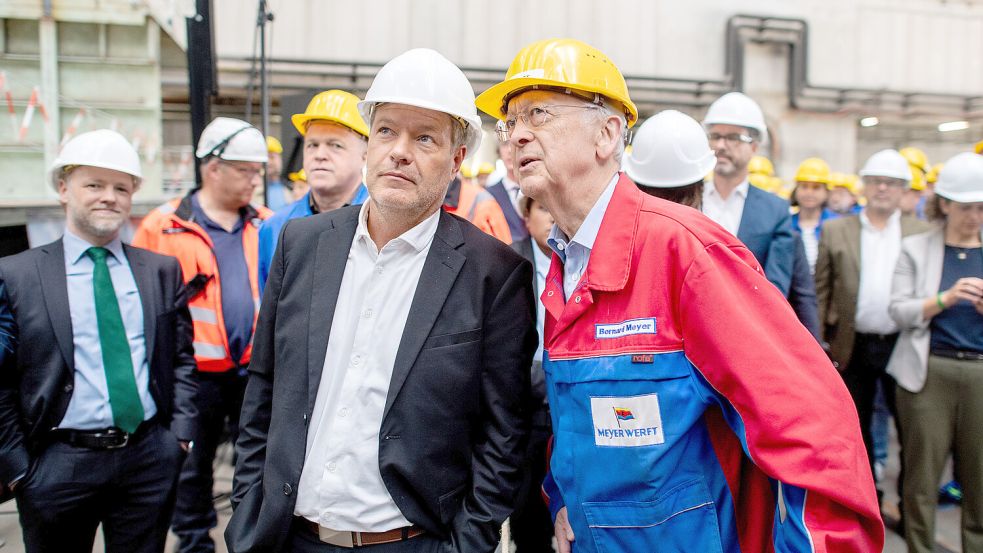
(199, 213)
(741, 190)
(509, 184)
(75, 248)
(587, 233)
(894, 221)
(418, 237)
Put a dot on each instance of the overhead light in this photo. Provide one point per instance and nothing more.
(953, 126)
(869, 121)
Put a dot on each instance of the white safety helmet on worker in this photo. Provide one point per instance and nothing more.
(101, 148)
(232, 140)
(669, 150)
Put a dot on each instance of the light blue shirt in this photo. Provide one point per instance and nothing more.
(542, 266)
(575, 252)
(89, 407)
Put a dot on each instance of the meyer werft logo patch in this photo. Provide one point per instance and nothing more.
(626, 328)
(627, 421)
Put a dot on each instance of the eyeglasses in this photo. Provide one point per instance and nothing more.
(732, 139)
(247, 173)
(533, 117)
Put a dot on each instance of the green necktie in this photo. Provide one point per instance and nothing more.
(123, 396)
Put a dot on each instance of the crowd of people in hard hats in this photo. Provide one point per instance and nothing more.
(713, 345)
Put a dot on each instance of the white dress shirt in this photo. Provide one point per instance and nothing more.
(575, 252)
(512, 188)
(542, 266)
(340, 486)
(879, 251)
(726, 213)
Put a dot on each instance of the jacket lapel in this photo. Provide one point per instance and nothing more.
(440, 271)
(333, 247)
(747, 225)
(147, 286)
(853, 241)
(54, 289)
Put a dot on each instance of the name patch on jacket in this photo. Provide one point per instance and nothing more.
(627, 421)
(626, 328)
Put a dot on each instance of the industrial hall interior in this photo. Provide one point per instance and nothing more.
(491, 276)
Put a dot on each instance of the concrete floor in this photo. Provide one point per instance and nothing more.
(947, 532)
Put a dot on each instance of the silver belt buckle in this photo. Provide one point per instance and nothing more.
(335, 537)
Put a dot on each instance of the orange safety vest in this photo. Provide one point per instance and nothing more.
(475, 204)
(170, 230)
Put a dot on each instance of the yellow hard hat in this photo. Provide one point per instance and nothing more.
(467, 171)
(761, 181)
(273, 145)
(845, 180)
(298, 176)
(979, 147)
(560, 63)
(915, 157)
(486, 168)
(336, 106)
(933, 173)
(760, 165)
(917, 178)
(813, 169)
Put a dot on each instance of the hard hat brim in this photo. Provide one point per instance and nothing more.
(300, 121)
(492, 100)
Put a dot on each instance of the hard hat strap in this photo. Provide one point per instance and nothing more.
(219, 148)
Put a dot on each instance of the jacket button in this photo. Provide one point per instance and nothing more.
(69, 388)
(287, 489)
(577, 299)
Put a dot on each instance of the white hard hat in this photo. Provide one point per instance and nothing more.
(739, 110)
(424, 78)
(669, 150)
(887, 163)
(233, 140)
(102, 148)
(961, 179)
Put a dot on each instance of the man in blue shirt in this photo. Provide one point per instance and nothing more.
(335, 139)
(97, 406)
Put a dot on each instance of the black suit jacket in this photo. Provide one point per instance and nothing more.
(452, 440)
(36, 383)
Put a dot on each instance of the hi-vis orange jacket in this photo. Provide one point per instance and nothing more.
(171, 230)
(473, 203)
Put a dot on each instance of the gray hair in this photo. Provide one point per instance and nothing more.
(607, 109)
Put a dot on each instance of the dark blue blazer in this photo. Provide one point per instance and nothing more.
(517, 226)
(802, 291)
(766, 230)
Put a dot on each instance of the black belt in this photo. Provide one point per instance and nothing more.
(105, 438)
(877, 337)
(958, 354)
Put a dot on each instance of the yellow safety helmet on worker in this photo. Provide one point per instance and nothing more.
(813, 169)
(335, 106)
(560, 65)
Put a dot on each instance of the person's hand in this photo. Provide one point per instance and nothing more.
(969, 289)
(563, 531)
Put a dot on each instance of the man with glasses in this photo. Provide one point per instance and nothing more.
(213, 232)
(675, 427)
(854, 271)
(736, 127)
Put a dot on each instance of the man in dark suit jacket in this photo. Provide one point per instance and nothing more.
(96, 406)
(736, 127)
(388, 390)
(505, 192)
